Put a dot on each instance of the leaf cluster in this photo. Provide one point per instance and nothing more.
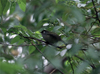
(23, 50)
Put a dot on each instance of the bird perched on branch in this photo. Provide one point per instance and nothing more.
(51, 37)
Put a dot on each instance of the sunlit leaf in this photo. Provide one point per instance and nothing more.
(56, 1)
(22, 5)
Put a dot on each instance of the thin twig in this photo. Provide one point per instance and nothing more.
(15, 45)
(71, 65)
(60, 47)
(52, 71)
(74, 61)
(89, 17)
(92, 65)
(88, 58)
(3, 44)
(46, 57)
(96, 12)
(32, 38)
(89, 29)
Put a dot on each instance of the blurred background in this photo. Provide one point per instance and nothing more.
(23, 49)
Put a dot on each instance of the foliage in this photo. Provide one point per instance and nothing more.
(23, 50)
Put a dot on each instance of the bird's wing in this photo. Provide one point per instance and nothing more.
(55, 36)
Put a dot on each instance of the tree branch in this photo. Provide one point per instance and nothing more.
(96, 12)
(3, 44)
(32, 38)
(60, 47)
(92, 65)
(15, 45)
(71, 64)
(46, 57)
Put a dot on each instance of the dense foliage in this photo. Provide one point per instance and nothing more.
(24, 51)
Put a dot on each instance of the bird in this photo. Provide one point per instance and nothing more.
(51, 37)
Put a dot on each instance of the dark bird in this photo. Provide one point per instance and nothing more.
(51, 37)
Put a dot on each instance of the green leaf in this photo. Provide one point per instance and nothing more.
(78, 16)
(12, 7)
(22, 4)
(49, 50)
(56, 62)
(91, 53)
(56, 1)
(13, 30)
(3, 2)
(20, 27)
(30, 32)
(1, 8)
(67, 29)
(31, 49)
(6, 7)
(20, 41)
(56, 28)
(4, 30)
(2, 72)
(8, 68)
(15, 39)
(81, 67)
(96, 32)
(7, 56)
(96, 71)
(75, 48)
(37, 34)
(89, 5)
(83, 1)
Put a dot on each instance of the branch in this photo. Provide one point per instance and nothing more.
(52, 71)
(46, 57)
(89, 29)
(89, 17)
(15, 45)
(4, 44)
(60, 47)
(95, 11)
(71, 64)
(32, 38)
(92, 65)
